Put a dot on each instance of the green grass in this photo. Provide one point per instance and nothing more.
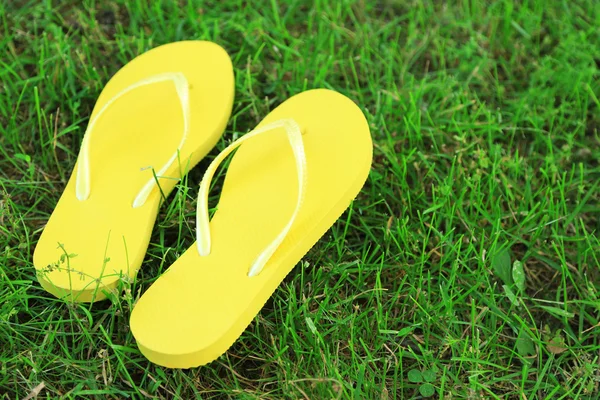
(486, 126)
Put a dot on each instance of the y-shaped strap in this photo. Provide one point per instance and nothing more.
(82, 183)
(202, 219)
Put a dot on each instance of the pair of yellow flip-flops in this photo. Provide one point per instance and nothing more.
(289, 181)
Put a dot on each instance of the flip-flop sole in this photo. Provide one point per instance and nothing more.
(197, 309)
(88, 246)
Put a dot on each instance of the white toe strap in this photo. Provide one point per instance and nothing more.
(82, 183)
(202, 218)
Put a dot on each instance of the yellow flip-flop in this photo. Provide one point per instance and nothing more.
(155, 119)
(288, 182)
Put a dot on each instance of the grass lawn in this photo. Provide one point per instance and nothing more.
(469, 265)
